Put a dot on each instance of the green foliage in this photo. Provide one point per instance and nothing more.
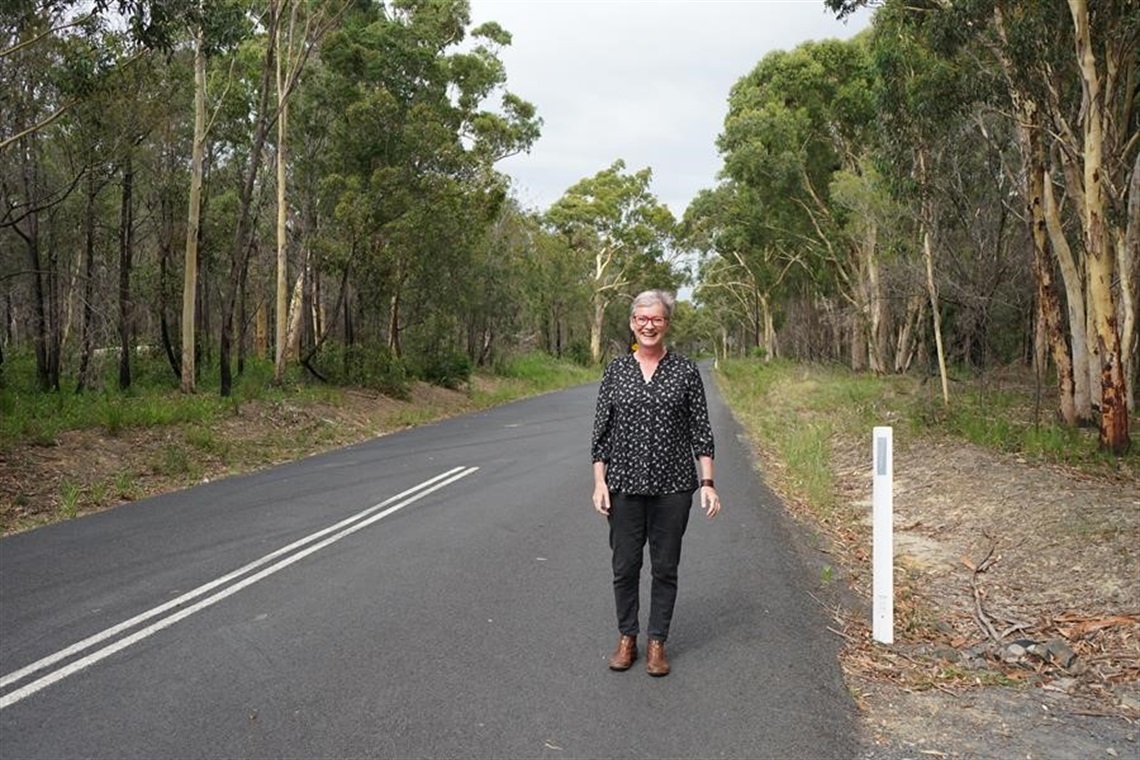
(448, 369)
(579, 352)
(375, 368)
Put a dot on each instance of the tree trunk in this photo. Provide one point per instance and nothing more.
(1098, 246)
(239, 252)
(771, 346)
(126, 256)
(87, 340)
(927, 225)
(282, 289)
(292, 341)
(55, 318)
(1047, 301)
(165, 255)
(1075, 300)
(905, 347)
(879, 315)
(393, 323)
(932, 290)
(597, 324)
(858, 321)
(857, 338)
(190, 278)
(261, 328)
(1038, 199)
(1128, 262)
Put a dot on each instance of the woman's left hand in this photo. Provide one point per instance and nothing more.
(710, 501)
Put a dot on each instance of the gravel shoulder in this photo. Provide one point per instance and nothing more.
(1017, 611)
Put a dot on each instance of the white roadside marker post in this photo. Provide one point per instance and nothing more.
(882, 536)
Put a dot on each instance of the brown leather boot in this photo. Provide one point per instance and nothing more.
(625, 654)
(655, 662)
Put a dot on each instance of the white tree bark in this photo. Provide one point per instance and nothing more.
(193, 219)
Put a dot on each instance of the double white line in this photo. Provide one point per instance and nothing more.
(285, 556)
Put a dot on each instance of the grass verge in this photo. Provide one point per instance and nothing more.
(67, 454)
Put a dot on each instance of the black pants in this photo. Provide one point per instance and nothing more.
(661, 520)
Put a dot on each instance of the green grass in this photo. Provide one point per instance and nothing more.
(183, 436)
(70, 493)
(794, 410)
(542, 372)
(531, 374)
(173, 461)
(29, 416)
(125, 486)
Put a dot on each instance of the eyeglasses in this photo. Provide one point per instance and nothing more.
(641, 320)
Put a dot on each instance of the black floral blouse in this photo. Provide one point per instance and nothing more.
(649, 433)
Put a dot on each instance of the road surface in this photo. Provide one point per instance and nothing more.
(442, 592)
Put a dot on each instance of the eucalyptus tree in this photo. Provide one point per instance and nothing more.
(58, 61)
(923, 97)
(214, 26)
(414, 138)
(1069, 70)
(262, 112)
(296, 40)
(1097, 148)
(621, 235)
(745, 269)
(794, 121)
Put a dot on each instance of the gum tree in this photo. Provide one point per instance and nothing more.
(621, 234)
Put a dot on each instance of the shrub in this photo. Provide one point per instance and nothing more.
(450, 369)
(579, 352)
(366, 367)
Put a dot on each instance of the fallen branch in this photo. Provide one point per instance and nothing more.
(980, 616)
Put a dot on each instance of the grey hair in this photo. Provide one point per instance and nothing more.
(651, 298)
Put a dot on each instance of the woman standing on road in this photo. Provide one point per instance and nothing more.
(651, 422)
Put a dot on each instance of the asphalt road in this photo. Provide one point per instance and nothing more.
(310, 610)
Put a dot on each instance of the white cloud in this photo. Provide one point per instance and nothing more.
(646, 81)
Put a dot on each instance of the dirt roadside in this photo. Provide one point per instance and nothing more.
(1017, 618)
(1018, 584)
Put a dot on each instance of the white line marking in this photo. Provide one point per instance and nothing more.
(6, 700)
(179, 601)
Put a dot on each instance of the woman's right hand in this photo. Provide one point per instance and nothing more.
(602, 498)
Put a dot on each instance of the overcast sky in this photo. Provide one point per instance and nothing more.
(646, 81)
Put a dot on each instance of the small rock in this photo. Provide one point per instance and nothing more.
(1130, 701)
(1060, 653)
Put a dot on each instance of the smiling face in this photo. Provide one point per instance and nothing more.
(649, 324)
